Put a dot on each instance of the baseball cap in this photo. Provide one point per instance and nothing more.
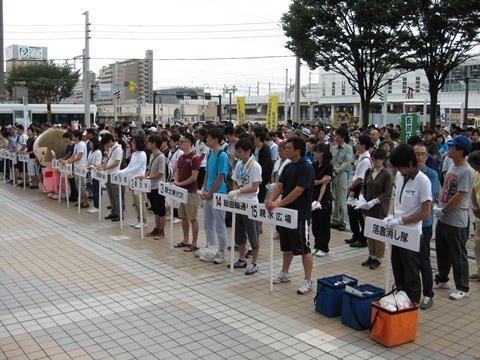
(153, 129)
(461, 141)
(306, 132)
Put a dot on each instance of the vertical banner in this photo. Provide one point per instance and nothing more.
(409, 126)
(241, 115)
(272, 113)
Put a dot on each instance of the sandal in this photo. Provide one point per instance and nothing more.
(181, 244)
(191, 248)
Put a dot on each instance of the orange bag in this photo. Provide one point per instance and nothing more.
(393, 328)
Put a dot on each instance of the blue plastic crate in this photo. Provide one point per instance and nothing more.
(328, 300)
(356, 309)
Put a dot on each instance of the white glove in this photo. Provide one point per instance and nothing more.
(361, 199)
(365, 205)
(350, 200)
(316, 205)
(387, 219)
(390, 221)
(232, 195)
(438, 211)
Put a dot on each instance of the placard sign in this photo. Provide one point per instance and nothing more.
(237, 206)
(119, 179)
(23, 158)
(279, 216)
(399, 235)
(67, 168)
(13, 157)
(80, 171)
(101, 176)
(56, 164)
(3, 153)
(173, 192)
(140, 185)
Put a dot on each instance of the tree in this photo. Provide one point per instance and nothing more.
(354, 38)
(45, 81)
(441, 33)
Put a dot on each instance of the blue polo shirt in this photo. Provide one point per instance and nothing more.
(433, 177)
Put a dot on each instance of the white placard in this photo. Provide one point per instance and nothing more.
(173, 192)
(279, 216)
(66, 169)
(101, 176)
(80, 171)
(12, 156)
(140, 185)
(119, 179)
(3, 153)
(239, 206)
(56, 164)
(23, 158)
(399, 235)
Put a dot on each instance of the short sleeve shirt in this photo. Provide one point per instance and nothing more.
(254, 175)
(80, 147)
(157, 166)
(201, 149)
(115, 153)
(187, 164)
(217, 163)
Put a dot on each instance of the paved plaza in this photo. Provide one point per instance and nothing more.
(75, 288)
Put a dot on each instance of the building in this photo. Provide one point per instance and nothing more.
(18, 55)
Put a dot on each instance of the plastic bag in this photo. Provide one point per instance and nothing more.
(396, 301)
(207, 253)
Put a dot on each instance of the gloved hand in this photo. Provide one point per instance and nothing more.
(350, 200)
(316, 205)
(387, 219)
(361, 199)
(437, 211)
(365, 205)
(232, 195)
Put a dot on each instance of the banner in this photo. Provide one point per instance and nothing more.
(409, 126)
(241, 115)
(272, 113)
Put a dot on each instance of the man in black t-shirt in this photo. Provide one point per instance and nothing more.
(296, 186)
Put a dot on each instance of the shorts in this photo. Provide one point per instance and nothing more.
(32, 168)
(190, 209)
(295, 240)
(246, 228)
(262, 193)
(158, 203)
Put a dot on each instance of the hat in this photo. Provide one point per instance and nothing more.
(447, 129)
(461, 141)
(153, 129)
(8, 127)
(306, 131)
(103, 132)
(356, 131)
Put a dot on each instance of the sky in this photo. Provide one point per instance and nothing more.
(209, 44)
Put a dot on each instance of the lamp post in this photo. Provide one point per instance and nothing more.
(231, 90)
(463, 73)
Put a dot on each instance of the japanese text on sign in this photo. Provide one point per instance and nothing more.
(80, 171)
(140, 185)
(238, 206)
(173, 192)
(101, 176)
(399, 235)
(23, 158)
(119, 179)
(67, 168)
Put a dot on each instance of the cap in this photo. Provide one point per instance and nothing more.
(103, 132)
(8, 127)
(461, 141)
(447, 129)
(153, 129)
(306, 132)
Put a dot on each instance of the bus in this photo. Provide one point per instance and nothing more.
(11, 114)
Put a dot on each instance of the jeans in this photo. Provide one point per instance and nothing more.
(425, 265)
(214, 221)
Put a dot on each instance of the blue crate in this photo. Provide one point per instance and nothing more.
(328, 300)
(356, 309)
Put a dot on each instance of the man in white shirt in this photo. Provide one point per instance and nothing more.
(79, 158)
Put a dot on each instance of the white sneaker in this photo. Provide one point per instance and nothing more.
(458, 295)
(220, 258)
(307, 286)
(321, 253)
(93, 211)
(140, 225)
(55, 197)
(176, 220)
(281, 277)
(315, 251)
(441, 285)
(135, 224)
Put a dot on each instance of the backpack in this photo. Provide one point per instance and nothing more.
(168, 172)
(230, 168)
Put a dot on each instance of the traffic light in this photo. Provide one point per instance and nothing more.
(380, 95)
(117, 94)
(208, 96)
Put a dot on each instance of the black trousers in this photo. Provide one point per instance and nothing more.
(425, 265)
(357, 224)
(406, 270)
(321, 228)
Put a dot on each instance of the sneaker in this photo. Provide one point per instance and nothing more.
(321, 253)
(276, 236)
(252, 269)
(153, 233)
(93, 211)
(220, 258)
(281, 277)
(160, 235)
(307, 286)
(249, 254)
(140, 225)
(176, 220)
(239, 264)
(84, 206)
(441, 285)
(458, 295)
(427, 303)
(230, 248)
(368, 262)
(315, 251)
(135, 224)
(474, 277)
(375, 264)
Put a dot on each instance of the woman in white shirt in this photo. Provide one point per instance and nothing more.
(94, 159)
(137, 167)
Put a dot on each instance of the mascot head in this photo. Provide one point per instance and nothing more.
(48, 141)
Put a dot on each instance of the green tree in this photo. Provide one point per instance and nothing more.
(354, 38)
(45, 81)
(441, 34)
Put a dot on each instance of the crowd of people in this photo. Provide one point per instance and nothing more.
(334, 178)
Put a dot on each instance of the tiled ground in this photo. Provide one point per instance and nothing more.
(74, 287)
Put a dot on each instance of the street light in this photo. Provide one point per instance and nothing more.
(230, 91)
(463, 73)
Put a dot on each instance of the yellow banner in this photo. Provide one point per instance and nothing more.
(241, 115)
(272, 113)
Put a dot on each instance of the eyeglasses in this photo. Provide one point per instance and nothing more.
(421, 154)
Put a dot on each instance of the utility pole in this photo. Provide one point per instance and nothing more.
(297, 90)
(115, 101)
(285, 112)
(86, 71)
(2, 57)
